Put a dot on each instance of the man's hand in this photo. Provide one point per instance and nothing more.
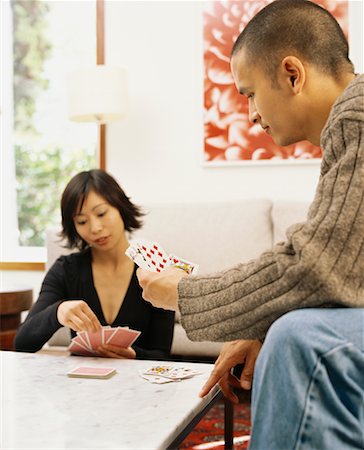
(160, 289)
(77, 315)
(231, 354)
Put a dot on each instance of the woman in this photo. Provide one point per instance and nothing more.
(97, 286)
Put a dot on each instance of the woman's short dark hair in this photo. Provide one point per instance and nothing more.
(101, 183)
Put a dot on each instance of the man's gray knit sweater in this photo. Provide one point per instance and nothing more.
(320, 265)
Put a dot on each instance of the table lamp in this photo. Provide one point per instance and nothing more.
(98, 94)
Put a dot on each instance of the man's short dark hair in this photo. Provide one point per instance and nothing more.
(296, 28)
(103, 184)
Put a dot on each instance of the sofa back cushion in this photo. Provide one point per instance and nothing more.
(213, 235)
(286, 213)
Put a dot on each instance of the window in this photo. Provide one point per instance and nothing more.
(41, 43)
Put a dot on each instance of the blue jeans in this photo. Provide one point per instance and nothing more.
(308, 388)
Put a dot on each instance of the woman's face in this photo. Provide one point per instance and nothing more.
(99, 224)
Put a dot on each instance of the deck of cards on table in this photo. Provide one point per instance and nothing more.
(86, 343)
(151, 256)
(92, 372)
(167, 374)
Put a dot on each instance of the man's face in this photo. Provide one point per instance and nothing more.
(276, 109)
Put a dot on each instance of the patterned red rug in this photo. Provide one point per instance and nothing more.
(209, 432)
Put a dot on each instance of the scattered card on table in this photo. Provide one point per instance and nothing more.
(92, 372)
(156, 380)
(156, 374)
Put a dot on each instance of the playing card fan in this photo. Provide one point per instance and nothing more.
(151, 256)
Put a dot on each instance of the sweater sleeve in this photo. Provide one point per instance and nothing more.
(41, 322)
(321, 263)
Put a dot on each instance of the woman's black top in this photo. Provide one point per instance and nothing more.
(70, 278)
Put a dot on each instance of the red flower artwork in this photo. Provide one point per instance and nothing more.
(229, 136)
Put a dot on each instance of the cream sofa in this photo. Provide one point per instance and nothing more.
(214, 235)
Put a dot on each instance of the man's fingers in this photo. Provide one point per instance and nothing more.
(226, 384)
(143, 276)
(221, 369)
(213, 379)
(223, 365)
(160, 289)
(247, 374)
(210, 383)
(246, 379)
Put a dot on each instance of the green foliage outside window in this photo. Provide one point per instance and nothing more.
(41, 178)
(42, 170)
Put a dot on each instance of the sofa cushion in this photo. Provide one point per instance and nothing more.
(285, 214)
(213, 235)
(183, 346)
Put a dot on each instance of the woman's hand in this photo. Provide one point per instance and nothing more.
(113, 351)
(77, 315)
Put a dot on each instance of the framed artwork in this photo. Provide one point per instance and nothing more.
(229, 137)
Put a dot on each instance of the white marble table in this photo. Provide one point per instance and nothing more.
(43, 408)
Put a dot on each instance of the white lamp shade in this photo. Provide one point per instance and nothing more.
(97, 94)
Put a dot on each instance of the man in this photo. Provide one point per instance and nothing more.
(291, 62)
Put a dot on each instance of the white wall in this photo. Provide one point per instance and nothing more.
(156, 154)
(22, 279)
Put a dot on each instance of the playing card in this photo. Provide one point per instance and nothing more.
(79, 349)
(188, 266)
(135, 255)
(92, 372)
(148, 255)
(107, 333)
(180, 373)
(170, 372)
(157, 258)
(77, 340)
(123, 337)
(95, 339)
(156, 379)
(151, 256)
(83, 335)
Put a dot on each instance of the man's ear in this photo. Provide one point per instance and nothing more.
(293, 73)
